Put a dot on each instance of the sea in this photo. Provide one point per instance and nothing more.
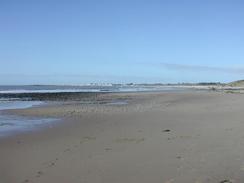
(85, 88)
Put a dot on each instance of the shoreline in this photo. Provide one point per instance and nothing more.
(52, 95)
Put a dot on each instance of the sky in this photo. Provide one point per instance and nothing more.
(121, 41)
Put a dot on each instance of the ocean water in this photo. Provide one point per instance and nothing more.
(84, 88)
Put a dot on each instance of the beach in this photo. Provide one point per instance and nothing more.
(133, 137)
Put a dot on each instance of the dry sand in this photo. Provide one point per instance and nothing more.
(184, 137)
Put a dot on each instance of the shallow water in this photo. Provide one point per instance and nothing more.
(7, 104)
(12, 124)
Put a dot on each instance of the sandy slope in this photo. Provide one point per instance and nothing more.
(163, 138)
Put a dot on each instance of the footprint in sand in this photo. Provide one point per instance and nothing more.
(26, 181)
(171, 138)
(39, 174)
(50, 163)
(180, 158)
(108, 149)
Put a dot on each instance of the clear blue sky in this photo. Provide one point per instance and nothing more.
(74, 42)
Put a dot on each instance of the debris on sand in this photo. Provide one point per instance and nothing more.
(166, 130)
(226, 181)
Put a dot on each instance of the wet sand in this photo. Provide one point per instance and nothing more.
(179, 137)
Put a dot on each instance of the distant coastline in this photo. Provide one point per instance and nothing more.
(83, 92)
